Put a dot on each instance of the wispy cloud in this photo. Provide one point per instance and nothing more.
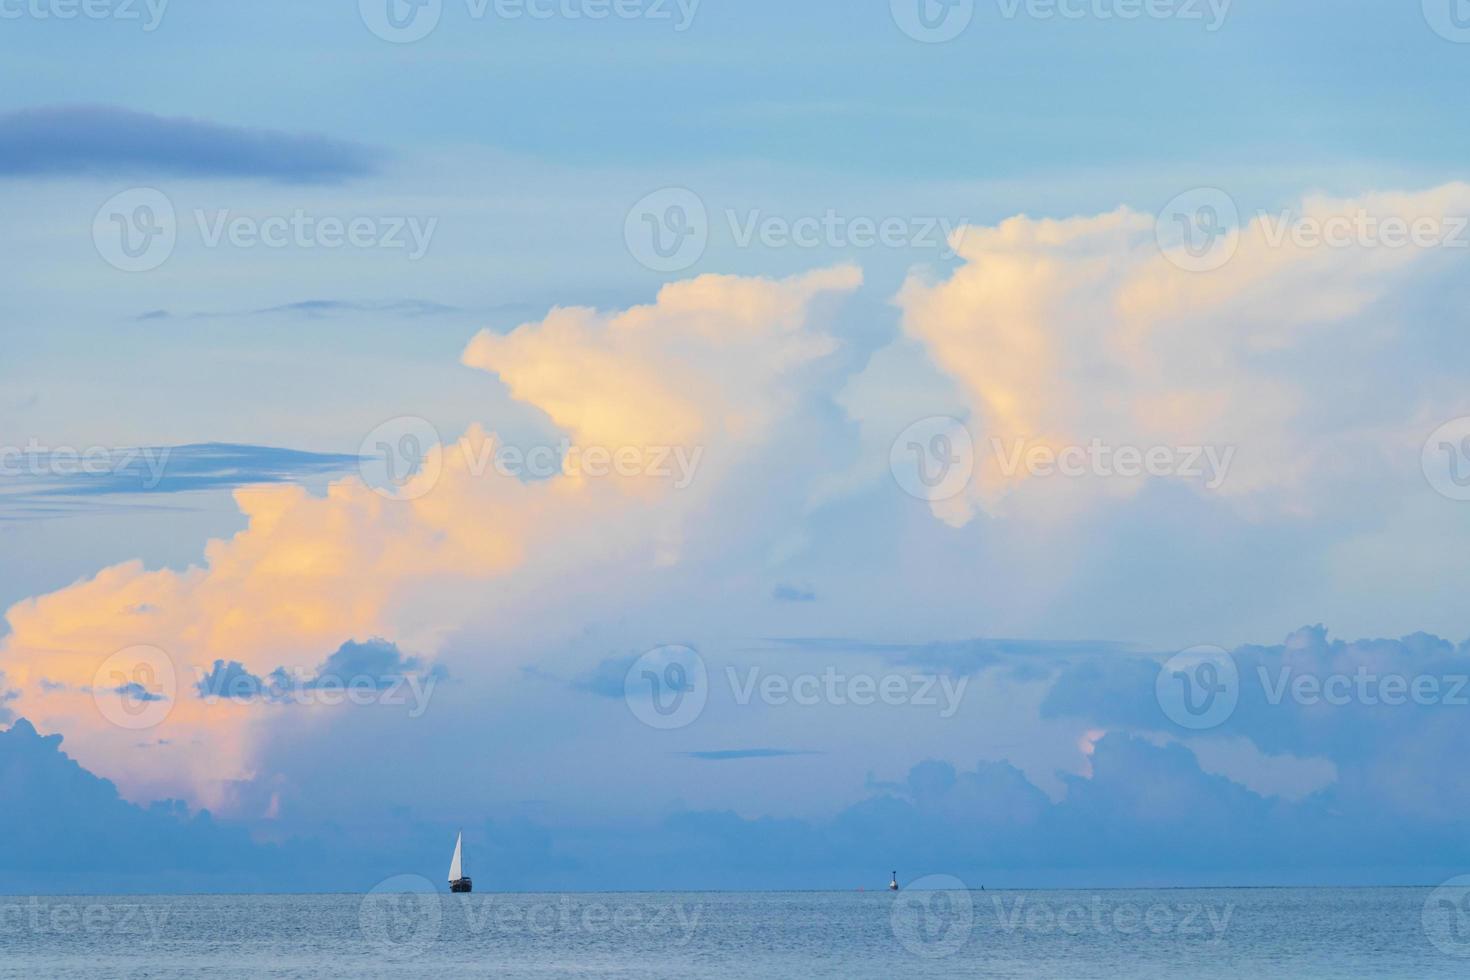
(98, 140)
(606, 680)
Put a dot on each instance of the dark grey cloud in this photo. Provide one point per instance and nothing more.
(6, 696)
(109, 141)
(376, 663)
(230, 680)
(61, 827)
(607, 679)
(1390, 715)
(376, 658)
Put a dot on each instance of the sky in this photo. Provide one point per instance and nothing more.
(710, 445)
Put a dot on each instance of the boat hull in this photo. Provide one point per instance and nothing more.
(461, 886)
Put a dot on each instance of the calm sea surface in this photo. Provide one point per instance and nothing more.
(397, 931)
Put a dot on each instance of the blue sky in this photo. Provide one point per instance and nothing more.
(501, 174)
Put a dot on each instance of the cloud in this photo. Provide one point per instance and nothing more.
(62, 826)
(1386, 713)
(607, 678)
(377, 659)
(793, 593)
(374, 665)
(229, 680)
(1055, 335)
(629, 379)
(714, 365)
(1148, 810)
(6, 696)
(108, 141)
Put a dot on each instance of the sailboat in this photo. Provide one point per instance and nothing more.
(458, 880)
(892, 885)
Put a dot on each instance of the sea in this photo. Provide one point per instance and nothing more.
(406, 929)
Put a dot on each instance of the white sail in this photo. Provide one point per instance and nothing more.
(455, 872)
